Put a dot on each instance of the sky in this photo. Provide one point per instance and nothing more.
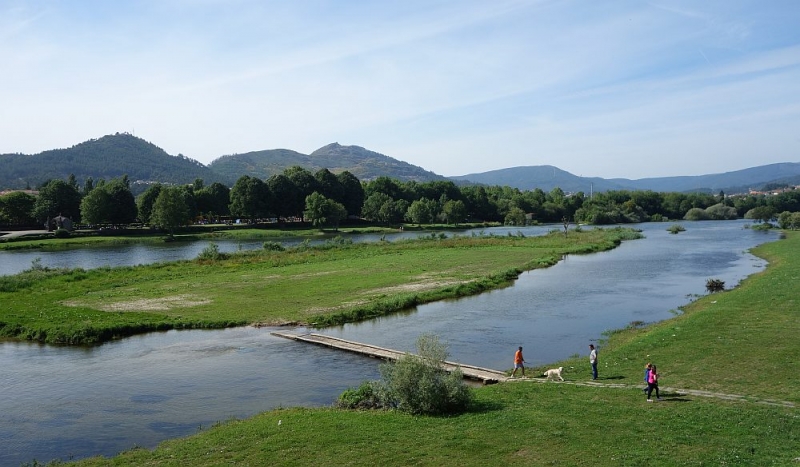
(613, 89)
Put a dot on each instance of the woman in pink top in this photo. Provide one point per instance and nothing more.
(652, 383)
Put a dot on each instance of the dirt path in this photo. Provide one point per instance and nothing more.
(667, 393)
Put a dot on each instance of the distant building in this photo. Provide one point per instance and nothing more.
(59, 222)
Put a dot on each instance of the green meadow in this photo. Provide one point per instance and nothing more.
(328, 284)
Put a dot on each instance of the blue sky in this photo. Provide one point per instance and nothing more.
(629, 89)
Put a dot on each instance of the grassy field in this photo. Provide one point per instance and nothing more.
(333, 283)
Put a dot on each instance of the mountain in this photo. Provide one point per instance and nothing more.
(105, 158)
(545, 177)
(363, 163)
(548, 177)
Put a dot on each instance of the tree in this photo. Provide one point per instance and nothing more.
(305, 183)
(16, 208)
(170, 210)
(372, 206)
(515, 216)
(352, 192)
(57, 197)
(761, 214)
(322, 211)
(249, 198)
(454, 212)
(213, 200)
(110, 203)
(145, 202)
(284, 194)
(328, 185)
(422, 211)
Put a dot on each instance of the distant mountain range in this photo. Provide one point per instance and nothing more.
(124, 154)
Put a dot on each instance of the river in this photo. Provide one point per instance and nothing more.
(64, 402)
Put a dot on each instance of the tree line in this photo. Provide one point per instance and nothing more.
(326, 199)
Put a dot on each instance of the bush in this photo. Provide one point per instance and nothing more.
(272, 246)
(210, 253)
(715, 285)
(676, 228)
(696, 214)
(418, 384)
(366, 396)
(61, 233)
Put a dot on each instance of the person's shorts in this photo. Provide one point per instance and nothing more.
(518, 365)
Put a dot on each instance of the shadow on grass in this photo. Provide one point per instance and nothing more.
(484, 406)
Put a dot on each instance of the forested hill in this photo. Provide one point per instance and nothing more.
(104, 158)
(363, 163)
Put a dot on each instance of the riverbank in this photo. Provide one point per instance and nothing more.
(332, 283)
(739, 341)
(46, 241)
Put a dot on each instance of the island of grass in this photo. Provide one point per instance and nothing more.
(332, 283)
(739, 342)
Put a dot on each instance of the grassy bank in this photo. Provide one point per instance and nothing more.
(330, 284)
(740, 341)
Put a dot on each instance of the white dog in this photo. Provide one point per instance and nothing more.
(554, 373)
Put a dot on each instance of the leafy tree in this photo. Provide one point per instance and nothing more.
(352, 192)
(57, 197)
(170, 210)
(422, 211)
(721, 212)
(110, 203)
(145, 202)
(322, 211)
(454, 212)
(761, 214)
(372, 206)
(515, 216)
(305, 183)
(16, 208)
(285, 195)
(249, 198)
(328, 185)
(96, 207)
(388, 186)
(696, 214)
(213, 200)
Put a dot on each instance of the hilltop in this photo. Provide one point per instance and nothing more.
(124, 154)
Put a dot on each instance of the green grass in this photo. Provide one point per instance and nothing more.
(739, 341)
(324, 285)
(510, 424)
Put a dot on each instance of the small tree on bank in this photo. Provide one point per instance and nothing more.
(416, 384)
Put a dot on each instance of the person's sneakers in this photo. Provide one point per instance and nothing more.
(658, 398)
(649, 400)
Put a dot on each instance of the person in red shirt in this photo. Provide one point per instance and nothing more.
(518, 362)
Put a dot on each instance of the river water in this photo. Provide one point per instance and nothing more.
(63, 402)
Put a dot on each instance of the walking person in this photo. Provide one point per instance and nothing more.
(519, 362)
(647, 369)
(593, 360)
(652, 383)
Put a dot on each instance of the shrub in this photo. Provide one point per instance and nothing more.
(418, 384)
(61, 233)
(676, 228)
(210, 253)
(696, 214)
(366, 396)
(715, 285)
(272, 246)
